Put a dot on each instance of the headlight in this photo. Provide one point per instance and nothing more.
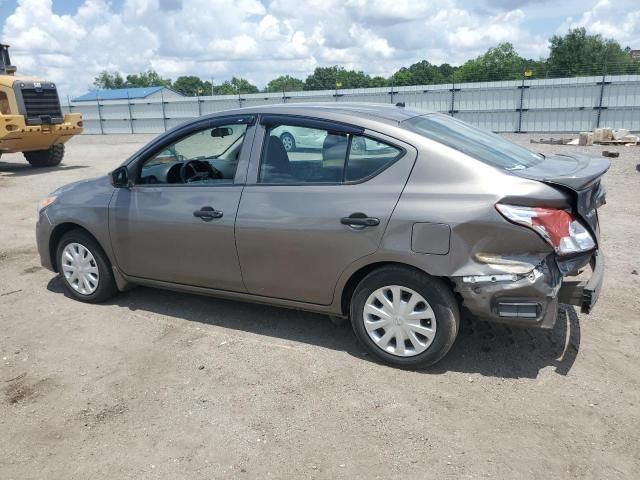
(45, 202)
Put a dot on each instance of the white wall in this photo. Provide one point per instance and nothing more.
(552, 105)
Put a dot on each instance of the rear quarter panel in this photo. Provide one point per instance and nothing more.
(450, 189)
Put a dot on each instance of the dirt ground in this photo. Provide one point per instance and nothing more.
(163, 385)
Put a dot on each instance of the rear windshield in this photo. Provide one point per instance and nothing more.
(484, 146)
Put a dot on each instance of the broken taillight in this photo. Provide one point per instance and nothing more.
(559, 228)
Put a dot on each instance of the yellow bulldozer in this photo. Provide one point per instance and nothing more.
(31, 119)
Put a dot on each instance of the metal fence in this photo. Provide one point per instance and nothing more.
(548, 105)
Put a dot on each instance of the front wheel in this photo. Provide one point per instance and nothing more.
(50, 157)
(85, 268)
(404, 317)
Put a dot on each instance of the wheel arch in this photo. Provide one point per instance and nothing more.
(56, 235)
(357, 276)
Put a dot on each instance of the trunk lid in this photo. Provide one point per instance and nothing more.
(578, 173)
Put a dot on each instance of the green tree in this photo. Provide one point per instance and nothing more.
(353, 79)
(285, 83)
(322, 78)
(577, 53)
(235, 86)
(422, 73)
(328, 78)
(192, 86)
(497, 63)
(378, 81)
(150, 78)
(402, 77)
(108, 80)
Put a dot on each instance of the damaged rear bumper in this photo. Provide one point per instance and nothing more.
(530, 300)
(585, 293)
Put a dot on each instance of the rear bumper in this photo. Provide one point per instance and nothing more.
(17, 136)
(530, 300)
(585, 293)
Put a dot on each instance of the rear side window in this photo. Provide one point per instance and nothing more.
(294, 154)
(368, 157)
(485, 146)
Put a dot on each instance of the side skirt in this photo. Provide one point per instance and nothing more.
(243, 297)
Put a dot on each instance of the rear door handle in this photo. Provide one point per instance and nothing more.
(360, 220)
(207, 213)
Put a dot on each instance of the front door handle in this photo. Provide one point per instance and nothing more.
(360, 220)
(207, 213)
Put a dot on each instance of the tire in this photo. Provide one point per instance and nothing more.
(50, 157)
(288, 141)
(434, 305)
(101, 287)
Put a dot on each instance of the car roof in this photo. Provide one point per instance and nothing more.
(381, 112)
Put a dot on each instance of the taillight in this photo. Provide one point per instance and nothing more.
(559, 228)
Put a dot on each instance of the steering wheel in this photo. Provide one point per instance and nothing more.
(194, 170)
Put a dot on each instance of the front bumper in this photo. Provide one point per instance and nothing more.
(530, 300)
(17, 136)
(43, 234)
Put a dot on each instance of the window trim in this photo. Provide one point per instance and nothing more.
(180, 133)
(271, 119)
(269, 124)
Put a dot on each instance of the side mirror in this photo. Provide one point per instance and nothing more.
(120, 177)
(221, 132)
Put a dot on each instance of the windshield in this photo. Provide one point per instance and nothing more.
(484, 146)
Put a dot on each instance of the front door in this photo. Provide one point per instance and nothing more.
(176, 224)
(306, 215)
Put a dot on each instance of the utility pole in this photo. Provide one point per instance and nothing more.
(164, 116)
(99, 113)
(392, 86)
(602, 83)
(130, 115)
(453, 93)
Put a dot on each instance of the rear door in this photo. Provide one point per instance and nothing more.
(176, 224)
(305, 216)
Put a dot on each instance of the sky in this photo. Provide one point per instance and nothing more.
(71, 41)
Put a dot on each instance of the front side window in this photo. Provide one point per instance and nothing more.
(294, 154)
(208, 156)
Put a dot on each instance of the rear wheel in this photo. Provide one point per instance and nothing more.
(50, 157)
(404, 317)
(85, 268)
(288, 141)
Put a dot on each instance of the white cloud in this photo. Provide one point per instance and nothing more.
(619, 19)
(260, 40)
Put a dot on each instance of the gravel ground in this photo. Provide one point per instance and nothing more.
(164, 385)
